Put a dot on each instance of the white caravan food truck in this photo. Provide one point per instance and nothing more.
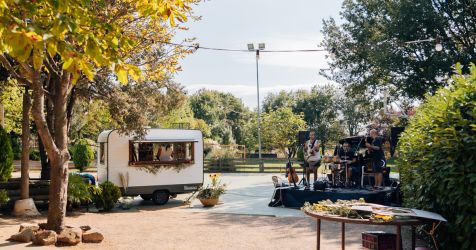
(159, 165)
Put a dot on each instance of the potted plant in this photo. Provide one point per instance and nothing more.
(210, 195)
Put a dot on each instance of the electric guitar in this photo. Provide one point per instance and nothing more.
(310, 149)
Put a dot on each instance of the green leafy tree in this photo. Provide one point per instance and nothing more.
(11, 98)
(250, 131)
(6, 156)
(371, 49)
(437, 160)
(83, 154)
(357, 111)
(282, 99)
(90, 119)
(217, 108)
(319, 107)
(182, 114)
(278, 129)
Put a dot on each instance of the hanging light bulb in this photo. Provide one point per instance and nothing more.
(438, 46)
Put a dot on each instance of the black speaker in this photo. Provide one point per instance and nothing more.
(320, 185)
(302, 137)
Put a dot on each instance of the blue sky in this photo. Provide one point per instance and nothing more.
(235, 23)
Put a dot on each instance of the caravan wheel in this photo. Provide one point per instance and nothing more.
(146, 197)
(160, 197)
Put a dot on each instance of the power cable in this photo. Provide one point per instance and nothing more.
(197, 47)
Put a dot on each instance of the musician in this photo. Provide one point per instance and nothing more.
(312, 156)
(378, 157)
(347, 157)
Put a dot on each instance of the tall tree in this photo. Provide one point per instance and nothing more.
(222, 112)
(320, 111)
(357, 110)
(25, 146)
(50, 45)
(282, 99)
(373, 46)
(279, 128)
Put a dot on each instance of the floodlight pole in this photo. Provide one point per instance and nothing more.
(261, 46)
(261, 166)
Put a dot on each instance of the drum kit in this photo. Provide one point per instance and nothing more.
(338, 169)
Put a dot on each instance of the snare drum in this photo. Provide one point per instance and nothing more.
(327, 159)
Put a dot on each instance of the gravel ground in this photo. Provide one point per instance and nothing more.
(242, 221)
(174, 227)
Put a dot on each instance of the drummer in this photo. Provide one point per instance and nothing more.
(347, 157)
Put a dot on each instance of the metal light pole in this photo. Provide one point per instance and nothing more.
(261, 46)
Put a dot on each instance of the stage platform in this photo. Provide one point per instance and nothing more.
(296, 197)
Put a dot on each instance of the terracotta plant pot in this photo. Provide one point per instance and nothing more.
(209, 202)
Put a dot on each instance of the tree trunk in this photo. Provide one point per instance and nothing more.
(45, 163)
(25, 147)
(56, 147)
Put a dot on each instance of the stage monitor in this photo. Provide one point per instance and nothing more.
(302, 137)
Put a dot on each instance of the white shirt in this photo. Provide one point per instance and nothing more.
(312, 158)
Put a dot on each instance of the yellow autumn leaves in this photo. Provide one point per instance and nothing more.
(381, 218)
(84, 33)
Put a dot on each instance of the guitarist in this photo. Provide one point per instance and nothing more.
(312, 156)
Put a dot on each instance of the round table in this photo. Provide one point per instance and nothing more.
(397, 222)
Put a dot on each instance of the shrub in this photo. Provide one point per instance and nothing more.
(221, 159)
(4, 196)
(34, 155)
(107, 197)
(16, 147)
(437, 161)
(78, 191)
(6, 156)
(83, 154)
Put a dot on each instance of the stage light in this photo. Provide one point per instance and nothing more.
(261, 46)
(251, 47)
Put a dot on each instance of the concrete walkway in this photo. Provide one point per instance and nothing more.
(246, 194)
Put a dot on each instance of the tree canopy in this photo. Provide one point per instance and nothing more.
(373, 46)
(223, 112)
(56, 48)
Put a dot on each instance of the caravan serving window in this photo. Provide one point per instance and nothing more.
(144, 152)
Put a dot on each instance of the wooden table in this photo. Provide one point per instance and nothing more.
(398, 223)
